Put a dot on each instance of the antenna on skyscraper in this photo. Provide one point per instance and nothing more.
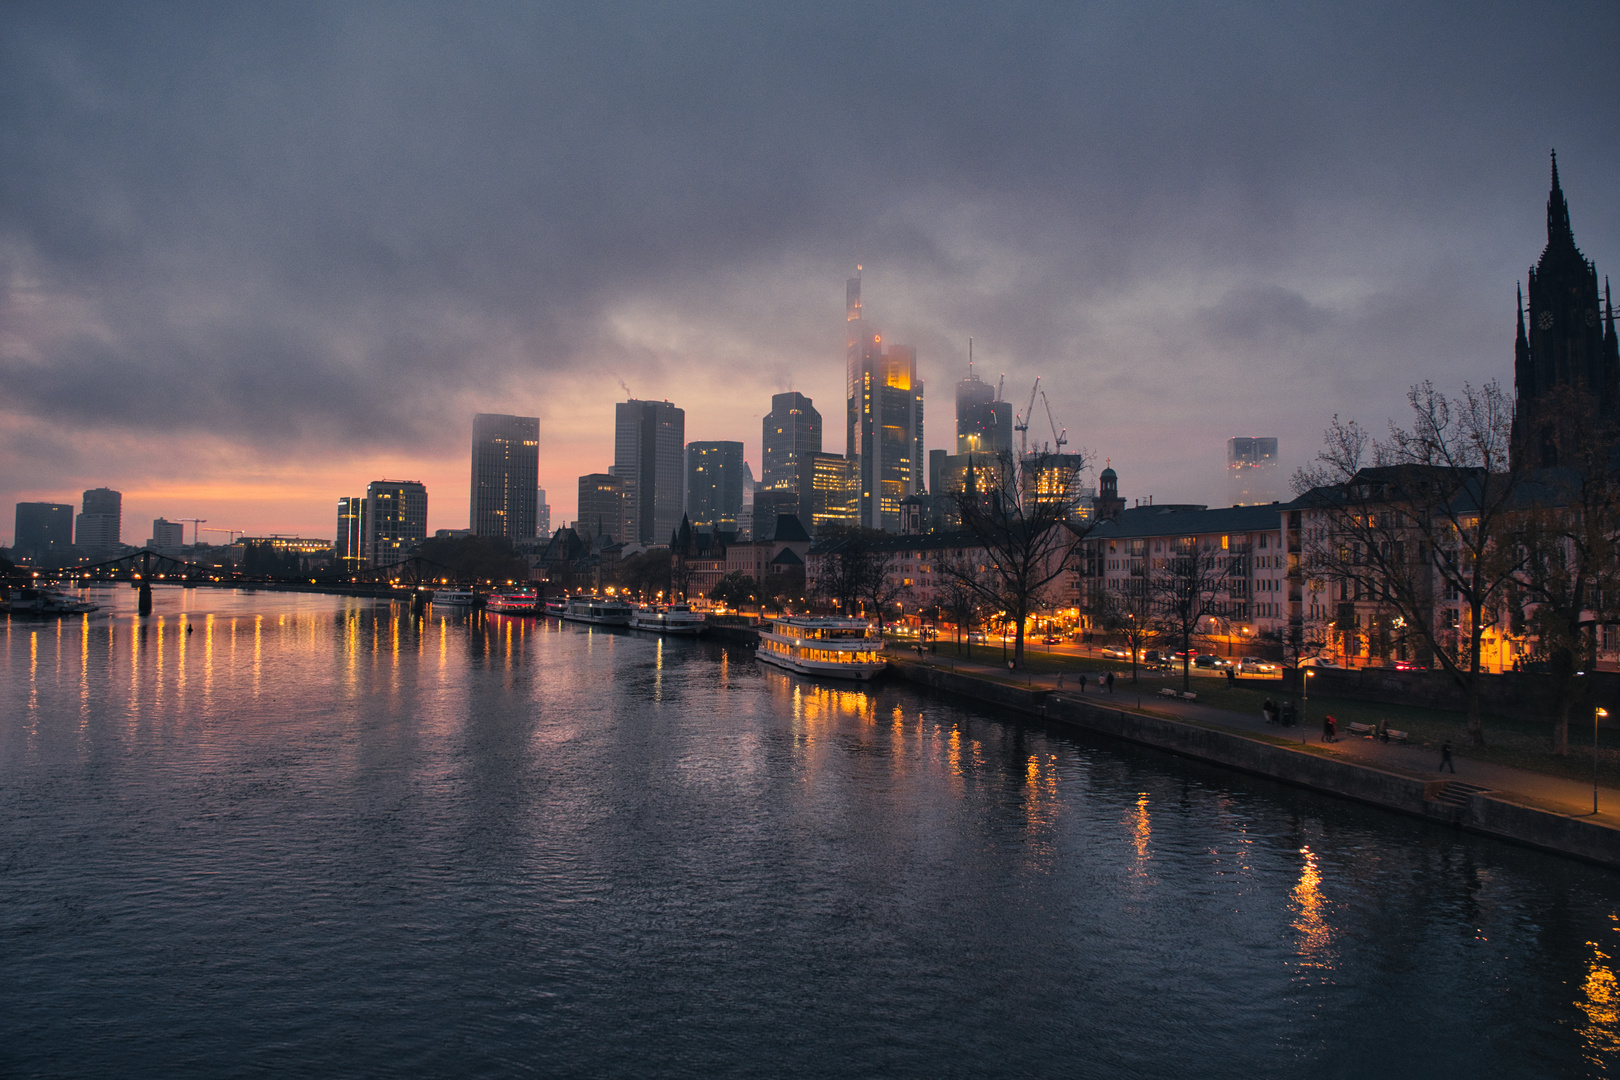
(970, 358)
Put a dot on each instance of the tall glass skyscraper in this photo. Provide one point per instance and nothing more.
(395, 520)
(505, 476)
(714, 485)
(649, 442)
(351, 533)
(100, 527)
(1252, 470)
(884, 436)
(790, 438)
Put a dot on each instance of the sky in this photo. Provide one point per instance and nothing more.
(253, 256)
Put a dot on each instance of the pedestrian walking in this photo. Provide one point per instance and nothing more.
(1268, 711)
(1330, 728)
(1445, 758)
(1082, 683)
(1109, 678)
(1231, 675)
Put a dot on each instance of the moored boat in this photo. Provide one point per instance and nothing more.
(811, 645)
(513, 602)
(671, 619)
(556, 606)
(598, 610)
(455, 598)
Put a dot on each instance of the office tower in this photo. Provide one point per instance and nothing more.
(99, 528)
(542, 514)
(1566, 366)
(351, 533)
(1053, 478)
(649, 437)
(44, 531)
(884, 436)
(505, 476)
(790, 435)
(833, 492)
(714, 485)
(395, 520)
(1251, 470)
(936, 470)
(167, 534)
(984, 424)
(601, 506)
(745, 517)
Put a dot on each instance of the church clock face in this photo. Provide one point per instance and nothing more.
(1545, 321)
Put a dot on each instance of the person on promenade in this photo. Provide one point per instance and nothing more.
(1268, 711)
(1327, 728)
(1109, 678)
(1445, 759)
(1290, 714)
(1082, 682)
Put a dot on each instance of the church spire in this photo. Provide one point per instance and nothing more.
(1558, 211)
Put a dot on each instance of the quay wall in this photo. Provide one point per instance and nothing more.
(1520, 695)
(1485, 813)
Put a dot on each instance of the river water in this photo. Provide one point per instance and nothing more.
(270, 834)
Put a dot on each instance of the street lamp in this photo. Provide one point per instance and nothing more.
(1596, 713)
(1310, 673)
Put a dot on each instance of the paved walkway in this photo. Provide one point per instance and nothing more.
(1547, 792)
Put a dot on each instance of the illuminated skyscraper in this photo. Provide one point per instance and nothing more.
(44, 531)
(395, 520)
(351, 533)
(601, 506)
(649, 441)
(542, 515)
(714, 485)
(1252, 470)
(884, 436)
(984, 424)
(505, 476)
(832, 494)
(791, 436)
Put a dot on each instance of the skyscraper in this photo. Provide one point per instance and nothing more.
(1252, 470)
(542, 515)
(984, 424)
(601, 506)
(167, 534)
(832, 492)
(505, 476)
(790, 436)
(884, 436)
(1566, 368)
(714, 485)
(351, 533)
(395, 520)
(648, 444)
(44, 531)
(99, 528)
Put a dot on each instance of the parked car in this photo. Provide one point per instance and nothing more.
(1318, 661)
(1253, 665)
(1206, 660)
(977, 637)
(1051, 639)
(1116, 652)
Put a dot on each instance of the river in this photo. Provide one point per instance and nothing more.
(279, 834)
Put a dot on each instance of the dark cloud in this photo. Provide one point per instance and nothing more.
(276, 223)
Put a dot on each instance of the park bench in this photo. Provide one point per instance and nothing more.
(1397, 736)
(1167, 691)
(1362, 729)
(1189, 695)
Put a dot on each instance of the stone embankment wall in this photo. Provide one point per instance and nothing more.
(1484, 813)
(1522, 696)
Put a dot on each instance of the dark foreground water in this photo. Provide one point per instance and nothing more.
(318, 838)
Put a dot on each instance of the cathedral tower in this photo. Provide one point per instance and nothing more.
(1565, 360)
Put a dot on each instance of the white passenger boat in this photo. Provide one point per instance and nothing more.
(840, 648)
(557, 606)
(673, 619)
(599, 610)
(454, 598)
(512, 602)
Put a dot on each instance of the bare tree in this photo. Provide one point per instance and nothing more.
(1420, 526)
(1187, 586)
(857, 567)
(1566, 544)
(1026, 536)
(960, 595)
(1130, 615)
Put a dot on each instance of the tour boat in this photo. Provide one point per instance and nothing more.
(51, 600)
(463, 598)
(840, 648)
(512, 602)
(674, 619)
(557, 606)
(599, 610)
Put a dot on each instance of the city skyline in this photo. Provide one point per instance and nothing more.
(1306, 210)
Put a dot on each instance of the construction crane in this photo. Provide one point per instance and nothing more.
(232, 533)
(1059, 439)
(1002, 382)
(1021, 421)
(195, 522)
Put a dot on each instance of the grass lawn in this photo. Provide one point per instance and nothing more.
(1520, 744)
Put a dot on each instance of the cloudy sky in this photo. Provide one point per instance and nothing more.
(254, 256)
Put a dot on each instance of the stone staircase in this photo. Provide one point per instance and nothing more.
(1448, 799)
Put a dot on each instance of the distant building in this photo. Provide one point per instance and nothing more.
(714, 485)
(505, 476)
(44, 531)
(1053, 478)
(395, 520)
(351, 533)
(884, 434)
(167, 534)
(984, 423)
(452, 534)
(936, 469)
(1252, 470)
(833, 499)
(601, 507)
(99, 529)
(745, 519)
(542, 515)
(790, 435)
(648, 444)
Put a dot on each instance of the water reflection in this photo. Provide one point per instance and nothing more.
(1310, 913)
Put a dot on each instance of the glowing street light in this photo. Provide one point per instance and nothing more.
(1597, 712)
